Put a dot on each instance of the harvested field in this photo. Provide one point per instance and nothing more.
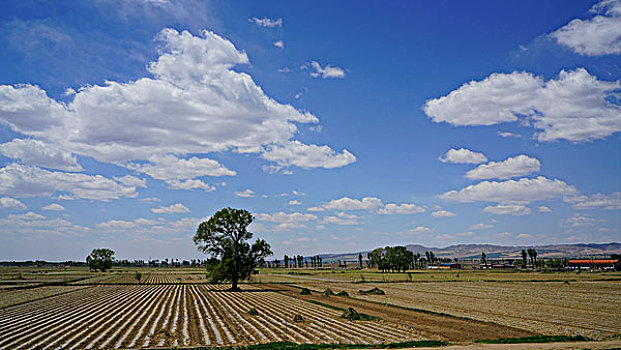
(590, 309)
(430, 326)
(179, 315)
(356, 276)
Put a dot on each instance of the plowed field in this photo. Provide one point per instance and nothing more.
(179, 315)
(591, 309)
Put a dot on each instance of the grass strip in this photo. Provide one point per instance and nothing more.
(535, 339)
(293, 346)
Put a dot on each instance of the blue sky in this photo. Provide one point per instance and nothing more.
(342, 126)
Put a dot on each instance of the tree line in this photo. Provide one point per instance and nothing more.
(298, 261)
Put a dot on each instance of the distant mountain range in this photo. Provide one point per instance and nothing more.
(473, 251)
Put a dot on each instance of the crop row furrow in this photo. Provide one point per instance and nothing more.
(317, 318)
(216, 315)
(162, 300)
(316, 326)
(236, 309)
(242, 328)
(99, 323)
(45, 326)
(208, 333)
(319, 315)
(163, 326)
(114, 324)
(133, 322)
(41, 308)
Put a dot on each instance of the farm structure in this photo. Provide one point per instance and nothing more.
(604, 264)
(180, 315)
(449, 266)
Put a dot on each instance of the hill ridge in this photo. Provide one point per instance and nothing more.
(465, 251)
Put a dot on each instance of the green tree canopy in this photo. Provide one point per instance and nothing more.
(100, 259)
(224, 236)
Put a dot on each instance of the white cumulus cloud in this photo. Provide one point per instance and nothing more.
(307, 156)
(266, 22)
(442, 214)
(480, 226)
(28, 216)
(404, 208)
(511, 167)
(182, 173)
(508, 209)
(171, 209)
(346, 203)
(512, 191)
(53, 207)
(12, 203)
(574, 106)
(596, 201)
(286, 221)
(600, 35)
(247, 193)
(34, 152)
(189, 185)
(420, 229)
(131, 181)
(194, 102)
(28, 181)
(463, 156)
(341, 218)
(579, 220)
(326, 72)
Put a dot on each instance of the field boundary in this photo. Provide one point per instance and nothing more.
(304, 346)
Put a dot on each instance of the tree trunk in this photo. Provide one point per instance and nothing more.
(234, 287)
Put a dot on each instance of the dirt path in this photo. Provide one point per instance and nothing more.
(431, 326)
(600, 345)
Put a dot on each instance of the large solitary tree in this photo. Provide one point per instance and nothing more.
(100, 259)
(224, 236)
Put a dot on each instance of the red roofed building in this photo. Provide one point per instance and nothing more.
(603, 264)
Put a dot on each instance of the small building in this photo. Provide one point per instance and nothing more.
(503, 266)
(601, 264)
(449, 266)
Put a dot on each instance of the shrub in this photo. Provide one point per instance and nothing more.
(351, 314)
(298, 318)
(342, 294)
(138, 276)
(305, 291)
(361, 292)
(253, 312)
(328, 293)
